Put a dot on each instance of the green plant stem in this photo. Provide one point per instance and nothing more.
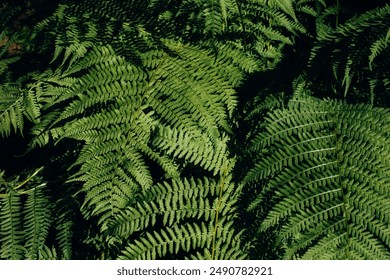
(28, 179)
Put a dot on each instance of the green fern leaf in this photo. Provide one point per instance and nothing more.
(378, 47)
(351, 51)
(11, 110)
(11, 233)
(286, 6)
(170, 240)
(37, 221)
(325, 161)
(174, 206)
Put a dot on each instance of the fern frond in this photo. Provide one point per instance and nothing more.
(46, 253)
(378, 47)
(65, 233)
(11, 110)
(146, 89)
(27, 219)
(196, 149)
(37, 218)
(117, 109)
(11, 233)
(228, 246)
(173, 206)
(215, 16)
(171, 203)
(169, 240)
(185, 238)
(324, 162)
(285, 5)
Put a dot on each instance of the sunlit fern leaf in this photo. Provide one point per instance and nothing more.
(285, 5)
(198, 149)
(228, 7)
(228, 245)
(214, 17)
(246, 63)
(185, 238)
(206, 93)
(115, 181)
(325, 162)
(174, 205)
(169, 203)
(147, 90)
(116, 108)
(169, 240)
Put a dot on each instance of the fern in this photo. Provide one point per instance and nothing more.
(17, 105)
(326, 164)
(26, 219)
(131, 108)
(11, 227)
(133, 111)
(378, 47)
(350, 51)
(37, 222)
(285, 5)
(11, 111)
(174, 206)
(106, 141)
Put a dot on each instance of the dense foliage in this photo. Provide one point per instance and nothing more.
(194, 129)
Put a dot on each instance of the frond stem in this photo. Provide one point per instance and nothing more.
(344, 192)
(28, 179)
